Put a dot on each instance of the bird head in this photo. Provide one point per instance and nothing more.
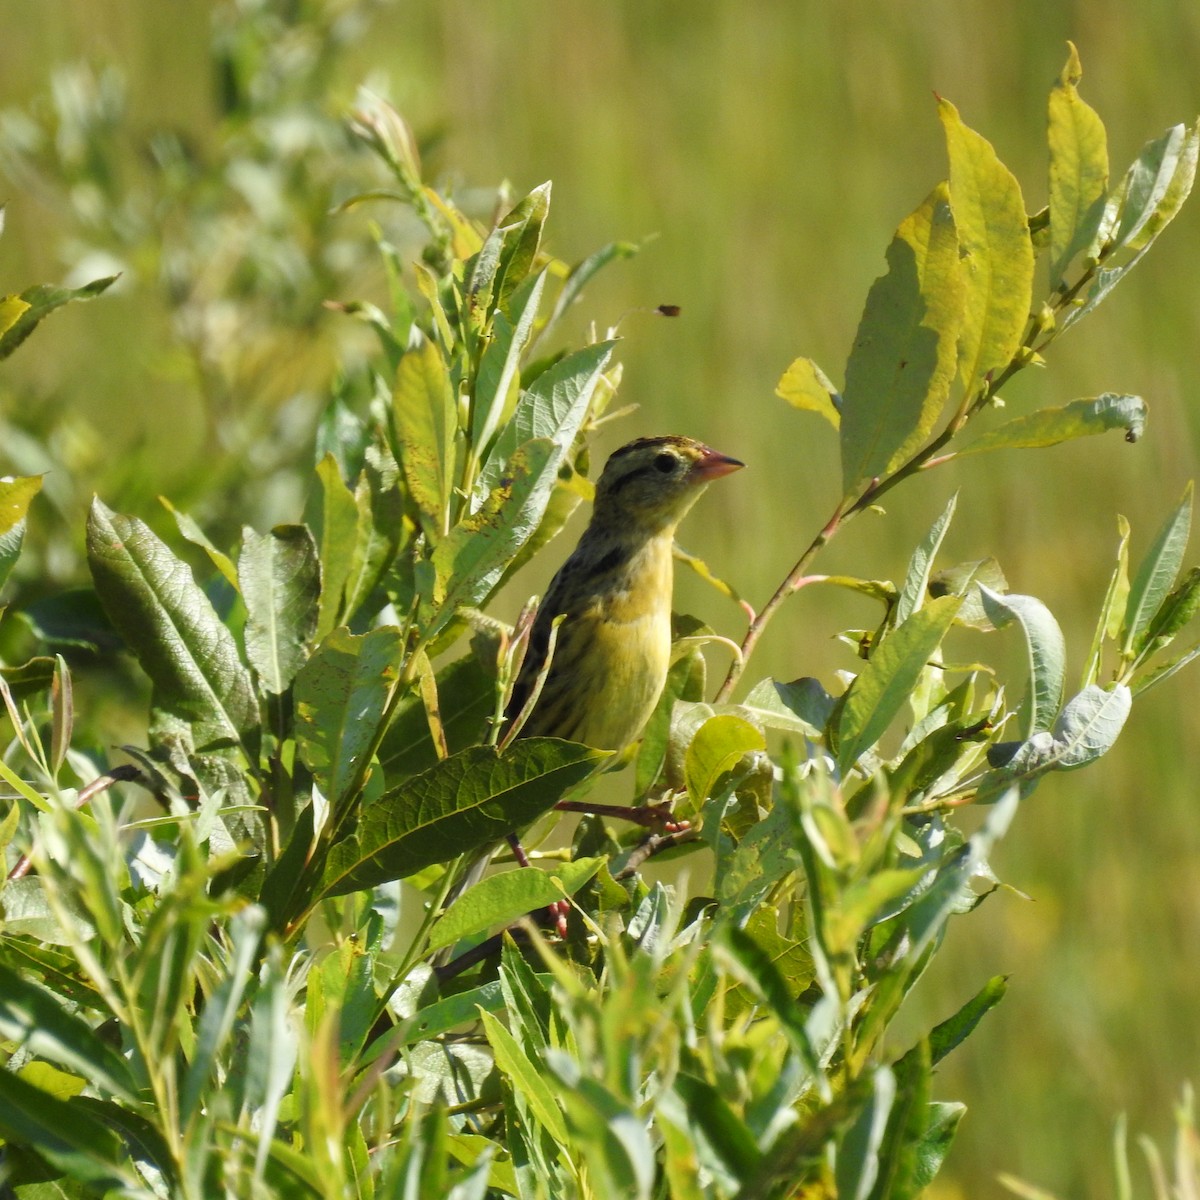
(651, 483)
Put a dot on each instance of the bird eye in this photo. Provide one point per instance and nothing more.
(665, 463)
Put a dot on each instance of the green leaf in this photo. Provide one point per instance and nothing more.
(40, 302)
(279, 575)
(1078, 170)
(885, 684)
(65, 1134)
(715, 1119)
(901, 367)
(916, 578)
(1144, 203)
(806, 387)
(955, 1030)
(525, 1077)
(522, 237)
(1174, 613)
(1080, 418)
(426, 417)
(36, 1020)
(1047, 652)
(1156, 575)
(456, 807)
(502, 899)
(1112, 611)
(499, 369)
(581, 275)
(334, 521)
(170, 625)
(11, 308)
(940, 1128)
(190, 530)
(16, 495)
(553, 407)
(858, 1153)
(470, 560)
(718, 746)
(341, 693)
(993, 235)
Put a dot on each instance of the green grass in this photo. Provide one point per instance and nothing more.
(772, 149)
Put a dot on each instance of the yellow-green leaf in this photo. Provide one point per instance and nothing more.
(424, 410)
(1080, 418)
(11, 308)
(806, 387)
(901, 367)
(1078, 170)
(993, 234)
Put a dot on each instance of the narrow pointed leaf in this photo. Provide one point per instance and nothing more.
(40, 302)
(1078, 170)
(16, 495)
(522, 230)
(554, 406)
(425, 413)
(280, 578)
(806, 387)
(858, 1154)
(499, 369)
(526, 1077)
(886, 682)
(902, 364)
(581, 275)
(501, 899)
(341, 693)
(169, 623)
(1112, 611)
(37, 1021)
(955, 1030)
(1080, 418)
(1047, 652)
(470, 560)
(916, 578)
(456, 807)
(993, 234)
(334, 521)
(1157, 573)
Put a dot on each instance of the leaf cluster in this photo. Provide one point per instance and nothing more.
(242, 964)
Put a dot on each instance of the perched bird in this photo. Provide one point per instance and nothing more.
(613, 646)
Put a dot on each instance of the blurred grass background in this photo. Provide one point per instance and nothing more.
(773, 148)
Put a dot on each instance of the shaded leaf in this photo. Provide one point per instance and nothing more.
(456, 807)
(901, 367)
(334, 521)
(341, 693)
(170, 625)
(280, 579)
(858, 1153)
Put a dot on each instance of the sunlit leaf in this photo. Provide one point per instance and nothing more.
(501, 899)
(425, 413)
(334, 522)
(456, 807)
(719, 745)
(901, 367)
(858, 1154)
(1157, 574)
(916, 578)
(40, 302)
(1112, 611)
(1078, 169)
(1047, 651)
(886, 682)
(1080, 418)
(993, 234)
(16, 495)
(806, 387)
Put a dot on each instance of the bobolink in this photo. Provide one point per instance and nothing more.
(613, 647)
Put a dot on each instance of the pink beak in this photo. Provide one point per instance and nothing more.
(712, 465)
